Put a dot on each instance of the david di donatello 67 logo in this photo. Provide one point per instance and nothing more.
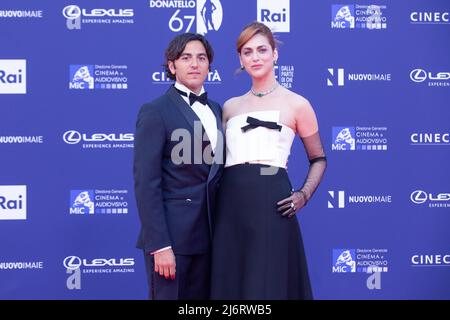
(207, 15)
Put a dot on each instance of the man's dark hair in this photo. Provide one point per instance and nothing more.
(177, 45)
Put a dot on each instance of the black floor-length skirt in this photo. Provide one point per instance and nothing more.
(257, 253)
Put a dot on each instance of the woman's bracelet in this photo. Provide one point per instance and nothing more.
(304, 196)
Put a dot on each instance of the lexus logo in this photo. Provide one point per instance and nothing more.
(72, 262)
(419, 196)
(72, 137)
(418, 75)
(71, 12)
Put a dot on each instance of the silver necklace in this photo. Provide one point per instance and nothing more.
(262, 94)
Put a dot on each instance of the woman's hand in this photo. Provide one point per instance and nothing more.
(289, 206)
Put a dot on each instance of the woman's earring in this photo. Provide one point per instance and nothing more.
(242, 68)
(274, 62)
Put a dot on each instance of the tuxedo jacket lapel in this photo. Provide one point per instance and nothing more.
(185, 110)
(220, 147)
(217, 114)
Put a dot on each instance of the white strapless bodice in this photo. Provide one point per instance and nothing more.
(258, 145)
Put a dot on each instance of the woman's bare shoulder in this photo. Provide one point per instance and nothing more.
(231, 106)
(296, 100)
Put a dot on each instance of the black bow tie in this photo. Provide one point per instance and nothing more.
(203, 98)
(254, 123)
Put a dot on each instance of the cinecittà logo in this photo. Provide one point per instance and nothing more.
(430, 17)
(430, 139)
(160, 77)
(430, 260)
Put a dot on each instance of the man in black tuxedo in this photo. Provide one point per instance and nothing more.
(178, 157)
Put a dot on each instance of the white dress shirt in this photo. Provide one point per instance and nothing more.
(204, 113)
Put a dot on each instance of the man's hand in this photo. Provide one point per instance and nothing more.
(165, 264)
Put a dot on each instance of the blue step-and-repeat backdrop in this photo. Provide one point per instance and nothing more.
(74, 73)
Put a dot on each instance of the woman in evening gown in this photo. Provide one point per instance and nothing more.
(258, 250)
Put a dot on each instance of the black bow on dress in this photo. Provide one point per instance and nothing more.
(254, 123)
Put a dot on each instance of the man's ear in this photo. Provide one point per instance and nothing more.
(171, 65)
